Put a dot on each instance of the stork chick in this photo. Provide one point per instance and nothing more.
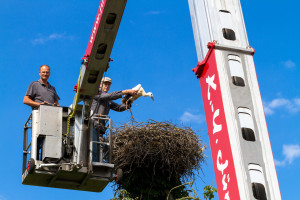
(129, 99)
(127, 96)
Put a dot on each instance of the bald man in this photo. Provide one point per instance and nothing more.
(41, 92)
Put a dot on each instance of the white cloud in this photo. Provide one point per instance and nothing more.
(289, 64)
(53, 36)
(292, 106)
(2, 197)
(268, 111)
(189, 117)
(154, 12)
(275, 103)
(279, 163)
(290, 152)
(297, 101)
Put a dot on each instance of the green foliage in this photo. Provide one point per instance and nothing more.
(122, 195)
(151, 186)
(190, 191)
(209, 191)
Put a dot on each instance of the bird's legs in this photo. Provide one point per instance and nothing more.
(131, 115)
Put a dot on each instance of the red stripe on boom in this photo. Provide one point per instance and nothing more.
(217, 128)
(95, 29)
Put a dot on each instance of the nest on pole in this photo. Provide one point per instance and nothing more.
(152, 150)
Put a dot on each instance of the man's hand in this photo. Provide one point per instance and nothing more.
(45, 103)
(50, 104)
(130, 91)
(28, 101)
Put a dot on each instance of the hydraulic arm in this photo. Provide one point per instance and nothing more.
(97, 54)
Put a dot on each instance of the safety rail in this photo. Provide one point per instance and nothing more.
(105, 146)
(26, 146)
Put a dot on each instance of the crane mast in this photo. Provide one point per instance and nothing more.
(240, 145)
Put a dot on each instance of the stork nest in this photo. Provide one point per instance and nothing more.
(157, 148)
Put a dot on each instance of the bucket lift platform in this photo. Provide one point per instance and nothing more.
(62, 160)
(65, 161)
(65, 179)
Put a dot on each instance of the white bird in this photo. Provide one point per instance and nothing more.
(129, 99)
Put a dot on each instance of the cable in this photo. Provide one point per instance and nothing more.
(98, 102)
(75, 106)
(76, 103)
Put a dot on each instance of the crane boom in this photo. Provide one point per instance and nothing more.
(97, 54)
(240, 145)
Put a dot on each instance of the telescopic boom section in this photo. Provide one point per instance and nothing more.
(238, 134)
(99, 48)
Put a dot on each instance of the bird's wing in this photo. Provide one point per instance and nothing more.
(128, 97)
(137, 87)
(138, 94)
(141, 91)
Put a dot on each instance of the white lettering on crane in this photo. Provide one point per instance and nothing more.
(227, 196)
(93, 35)
(221, 167)
(222, 164)
(217, 127)
(210, 82)
(224, 181)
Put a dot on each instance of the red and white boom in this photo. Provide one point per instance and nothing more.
(97, 54)
(240, 145)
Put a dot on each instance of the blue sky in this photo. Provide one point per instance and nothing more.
(154, 47)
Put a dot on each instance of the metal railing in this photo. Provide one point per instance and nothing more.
(26, 146)
(105, 147)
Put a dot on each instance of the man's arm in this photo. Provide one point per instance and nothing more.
(56, 103)
(122, 107)
(114, 95)
(129, 91)
(119, 108)
(108, 96)
(28, 101)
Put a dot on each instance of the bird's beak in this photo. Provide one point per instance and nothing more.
(152, 98)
